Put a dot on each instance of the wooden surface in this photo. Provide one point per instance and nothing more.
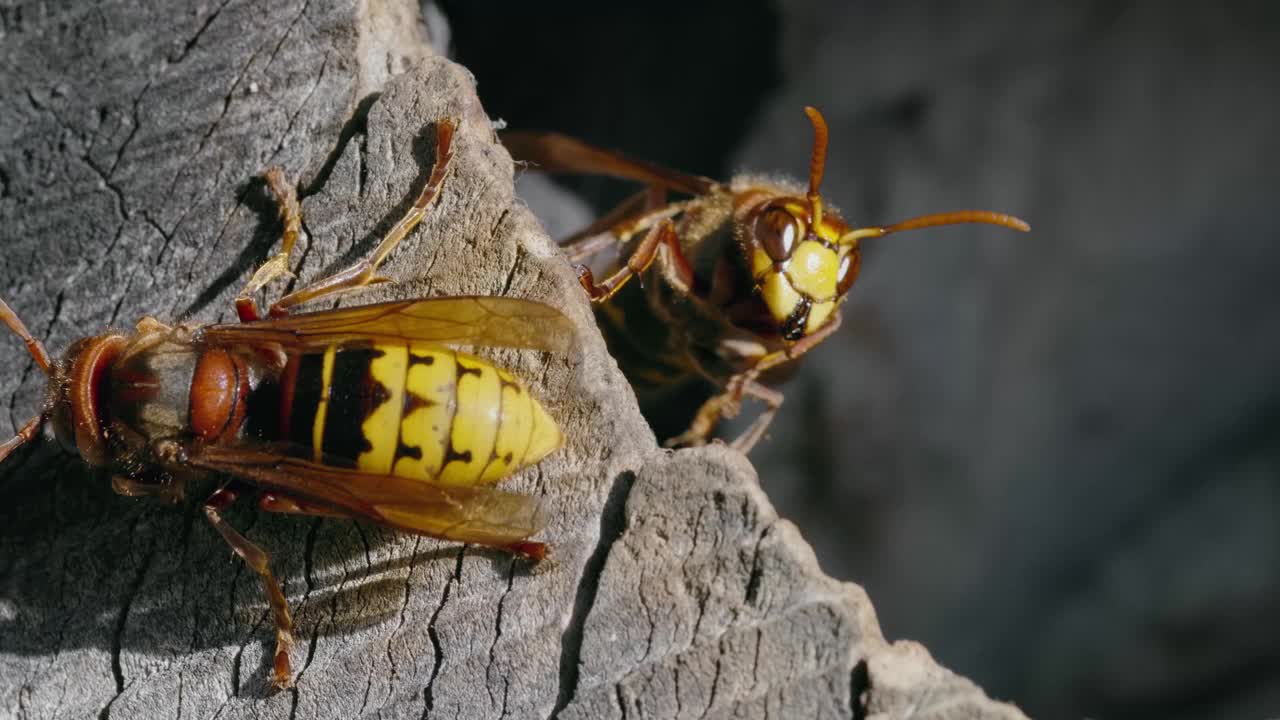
(129, 140)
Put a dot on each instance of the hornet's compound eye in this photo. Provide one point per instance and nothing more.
(848, 272)
(777, 231)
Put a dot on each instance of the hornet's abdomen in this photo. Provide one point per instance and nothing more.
(413, 410)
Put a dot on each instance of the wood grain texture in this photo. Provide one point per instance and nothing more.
(129, 139)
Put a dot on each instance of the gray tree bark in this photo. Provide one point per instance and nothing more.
(129, 136)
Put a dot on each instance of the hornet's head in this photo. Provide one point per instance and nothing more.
(803, 258)
(74, 400)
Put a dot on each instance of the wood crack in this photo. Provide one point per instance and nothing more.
(195, 38)
(404, 607)
(122, 619)
(133, 131)
(497, 635)
(428, 692)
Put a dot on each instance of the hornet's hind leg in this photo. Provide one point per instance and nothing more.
(362, 273)
(256, 558)
(278, 266)
(357, 275)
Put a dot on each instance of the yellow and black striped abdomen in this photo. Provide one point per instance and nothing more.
(413, 410)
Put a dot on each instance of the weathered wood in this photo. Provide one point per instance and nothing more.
(128, 143)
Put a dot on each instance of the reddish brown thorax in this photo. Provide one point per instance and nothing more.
(219, 395)
(104, 398)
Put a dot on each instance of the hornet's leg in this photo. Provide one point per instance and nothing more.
(362, 273)
(664, 233)
(278, 265)
(704, 422)
(167, 489)
(772, 400)
(258, 561)
(727, 403)
(635, 214)
(602, 233)
(276, 503)
(802, 346)
(149, 333)
(528, 549)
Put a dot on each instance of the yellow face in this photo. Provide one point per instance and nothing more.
(801, 269)
(804, 260)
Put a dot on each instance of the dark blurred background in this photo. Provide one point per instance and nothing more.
(1053, 458)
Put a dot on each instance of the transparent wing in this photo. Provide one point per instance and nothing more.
(552, 152)
(480, 515)
(460, 320)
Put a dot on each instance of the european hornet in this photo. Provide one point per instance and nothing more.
(361, 412)
(749, 275)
